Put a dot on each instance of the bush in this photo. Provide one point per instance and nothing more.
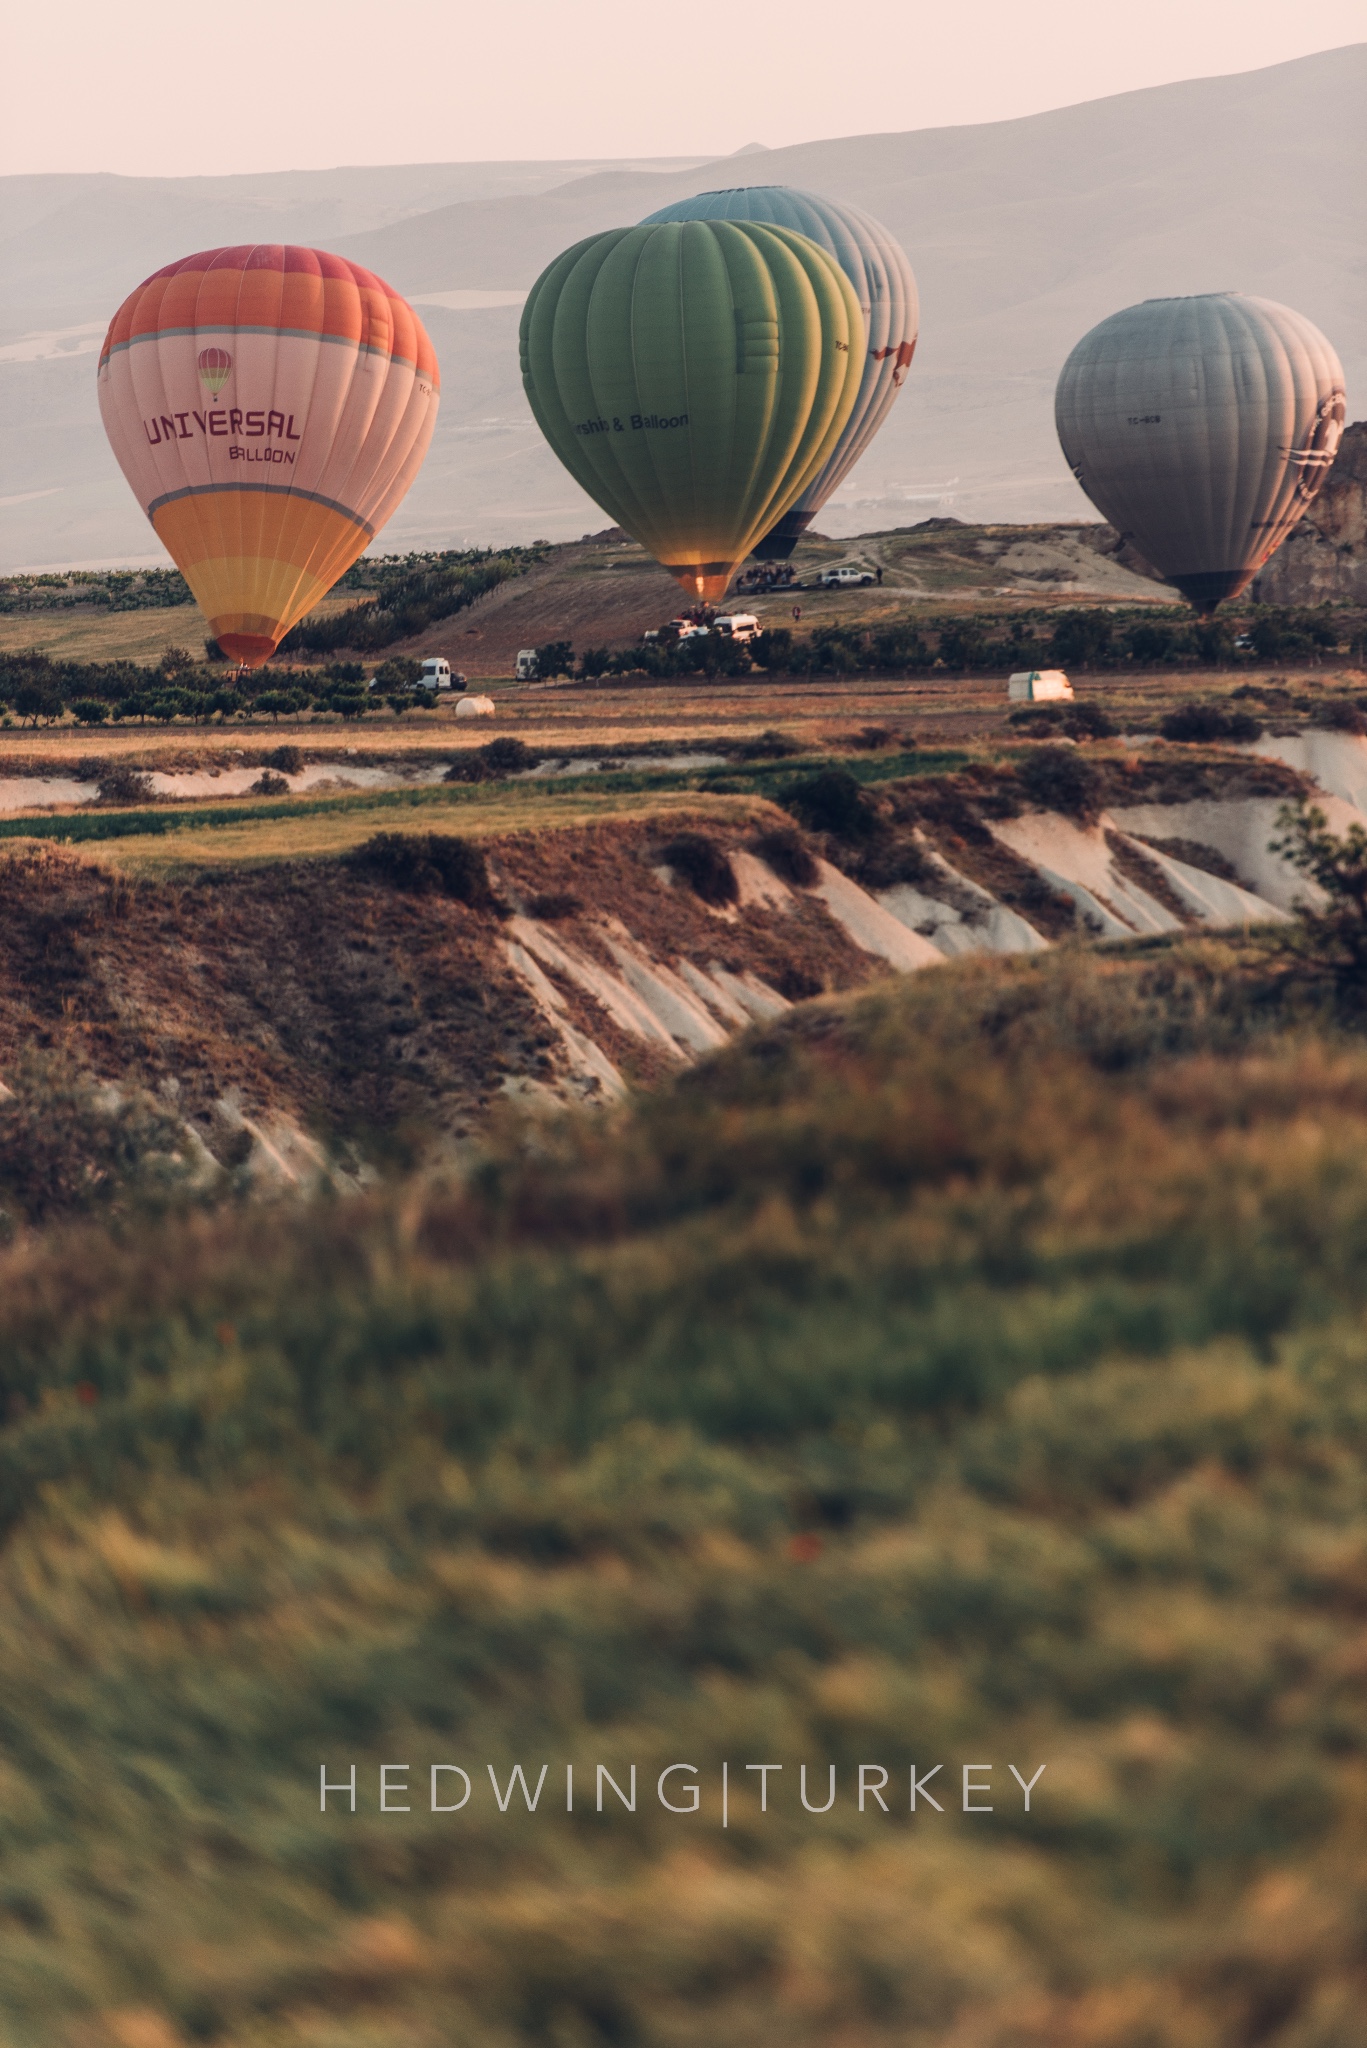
(557, 904)
(401, 673)
(1149, 643)
(268, 784)
(768, 746)
(833, 802)
(1339, 715)
(428, 863)
(772, 649)
(491, 763)
(555, 658)
(788, 855)
(90, 711)
(702, 864)
(1081, 639)
(1335, 936)
(121, 785)
(1078, 721)
(68, 1145)
(289, 760)
(1195, 724)
(1059, 779)
(871, 737)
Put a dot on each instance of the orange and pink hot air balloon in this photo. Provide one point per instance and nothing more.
(270, 406)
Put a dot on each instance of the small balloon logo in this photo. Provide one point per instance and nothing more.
(214, 365)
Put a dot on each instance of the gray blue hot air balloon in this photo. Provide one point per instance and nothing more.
(877, 267)
(1202, 428)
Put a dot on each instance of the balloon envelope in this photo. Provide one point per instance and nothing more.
(876, 265)
(693, 377)
(1202, 428)
(269, 406)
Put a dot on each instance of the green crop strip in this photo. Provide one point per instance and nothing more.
(767, 779)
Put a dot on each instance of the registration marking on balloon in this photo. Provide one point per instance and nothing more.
(331, 388)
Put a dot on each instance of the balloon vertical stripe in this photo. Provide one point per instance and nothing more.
(877, 268)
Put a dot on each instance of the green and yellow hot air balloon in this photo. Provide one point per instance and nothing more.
(693, 376)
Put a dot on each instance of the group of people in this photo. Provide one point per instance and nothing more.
(766, 576)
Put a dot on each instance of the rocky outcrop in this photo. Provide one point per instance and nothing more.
(1325, 558)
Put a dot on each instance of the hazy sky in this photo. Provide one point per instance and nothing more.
(167, 87)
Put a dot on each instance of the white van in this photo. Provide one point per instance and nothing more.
(436, 673)
(741, 626)
(527, 671)
(1038, 686)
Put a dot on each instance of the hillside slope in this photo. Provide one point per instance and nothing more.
(966, 1376)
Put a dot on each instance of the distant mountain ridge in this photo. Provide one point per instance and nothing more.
(1022, 233)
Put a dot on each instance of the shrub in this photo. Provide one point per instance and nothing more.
(1058, 779)
(501, 757)
(772, 649)
(963, 645)
(555, 905)
(1336, 935)
(702, 864)
(400, 673)
(1151, 642)
(1081, 639)
(268, 784)
(768, 746)
(1339, 715)
(788, 855)
(871, 737)
(68, 1145)
(428, 863)
(289, 760)
(1197, 723)
(555, 658)
(90, 711)
(121, 785)
(833, 802)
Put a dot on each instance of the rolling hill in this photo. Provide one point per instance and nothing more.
(1023, 233)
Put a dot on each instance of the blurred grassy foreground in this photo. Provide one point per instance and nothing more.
(973, 1371)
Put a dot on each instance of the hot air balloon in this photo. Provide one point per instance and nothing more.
(693, 377)
(269, 406)
(876, 265)
(1202, 428)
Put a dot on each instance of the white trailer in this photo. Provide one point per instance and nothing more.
(1038, 686)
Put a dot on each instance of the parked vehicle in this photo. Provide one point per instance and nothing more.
(527, 670)
(437, 675)
(845, 579)
(676, 629)
(739, 626)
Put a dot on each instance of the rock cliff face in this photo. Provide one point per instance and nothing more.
(1326, 555)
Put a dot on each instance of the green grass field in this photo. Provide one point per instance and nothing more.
(971, 1372)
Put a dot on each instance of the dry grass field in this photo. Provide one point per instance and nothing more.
(94, 633)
